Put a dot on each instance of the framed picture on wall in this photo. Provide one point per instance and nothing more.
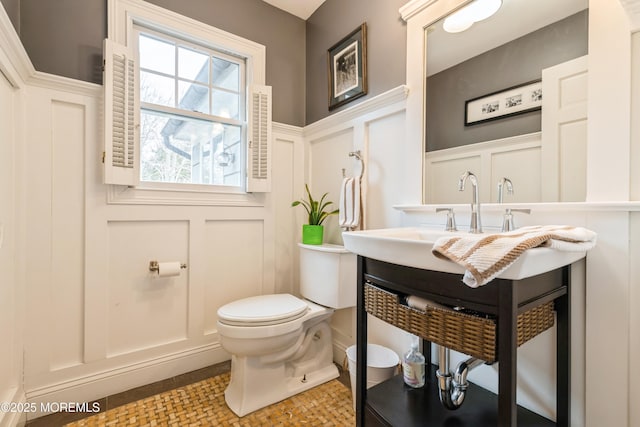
(347, 68)
(505, 103)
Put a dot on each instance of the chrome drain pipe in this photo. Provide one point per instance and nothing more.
(453, 389)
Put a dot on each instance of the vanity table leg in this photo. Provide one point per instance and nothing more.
(563, 354)
(361, 342)
(426, 351)
(507, 355)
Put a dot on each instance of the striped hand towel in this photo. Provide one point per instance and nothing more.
(485, 256)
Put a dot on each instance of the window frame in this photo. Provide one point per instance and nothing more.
(241, 122)
(123, 18)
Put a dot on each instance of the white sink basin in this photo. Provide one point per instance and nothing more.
(411, 247)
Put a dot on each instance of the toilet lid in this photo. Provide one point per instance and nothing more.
(262, 310)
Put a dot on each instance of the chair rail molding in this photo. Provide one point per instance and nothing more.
(375, 105)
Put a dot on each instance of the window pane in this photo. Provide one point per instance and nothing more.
(163, 156)
(225, 104)
(177, 149)
(227, 167)
(193, 65)
(226, 74)
(157, 55)
(194, 97)
(157, 89)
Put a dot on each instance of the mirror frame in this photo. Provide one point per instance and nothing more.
(419, 15)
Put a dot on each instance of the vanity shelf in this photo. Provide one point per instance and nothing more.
(422, 407)
(504, 302)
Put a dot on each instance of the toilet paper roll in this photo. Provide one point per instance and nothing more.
(168, 269)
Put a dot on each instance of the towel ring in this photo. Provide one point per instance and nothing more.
(358, 155)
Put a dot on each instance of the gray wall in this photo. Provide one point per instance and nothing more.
(386, 48)
(64, 37)
(12, 7)
(512, 64)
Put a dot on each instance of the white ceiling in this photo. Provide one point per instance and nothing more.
(301, 8)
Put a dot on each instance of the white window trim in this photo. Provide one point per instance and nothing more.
(122, 15)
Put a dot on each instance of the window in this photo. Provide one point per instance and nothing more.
(184, 105)
(192, 105)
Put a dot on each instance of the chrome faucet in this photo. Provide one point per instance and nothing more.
(507, 220)
(504, 182)
(476, 224)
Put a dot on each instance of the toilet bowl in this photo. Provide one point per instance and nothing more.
(280, 344)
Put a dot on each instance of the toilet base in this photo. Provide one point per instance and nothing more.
(258, 396)
(256, 383)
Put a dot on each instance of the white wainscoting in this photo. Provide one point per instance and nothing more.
(376, 127)
(98, 321)
(634, 318)
(11, 223)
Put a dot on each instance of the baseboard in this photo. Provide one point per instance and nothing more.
(340, 344)
(106, 383)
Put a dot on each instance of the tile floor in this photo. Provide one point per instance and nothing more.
(110, 402)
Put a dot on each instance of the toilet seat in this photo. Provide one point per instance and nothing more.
(263, 310)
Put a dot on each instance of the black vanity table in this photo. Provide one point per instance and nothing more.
(392, 403)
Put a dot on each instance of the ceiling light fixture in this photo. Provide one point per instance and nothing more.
(476, 11)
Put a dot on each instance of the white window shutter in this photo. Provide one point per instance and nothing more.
(260, 143)
(121, 165)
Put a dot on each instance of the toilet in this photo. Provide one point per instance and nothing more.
(280, 344)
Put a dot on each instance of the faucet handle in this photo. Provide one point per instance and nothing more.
(507, 221)
(451, 219)
(526, 211)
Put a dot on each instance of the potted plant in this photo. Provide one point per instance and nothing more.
(317, 210)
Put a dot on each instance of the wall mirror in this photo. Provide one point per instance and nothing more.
(492, 65)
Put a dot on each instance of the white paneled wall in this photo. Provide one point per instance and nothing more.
(143, 310)
(328, 157)
(289, 181)
(99, 322)
(385, 180)
(634, 319)
(11, 300)
(375, 127)
(60, 153)
(232, 243)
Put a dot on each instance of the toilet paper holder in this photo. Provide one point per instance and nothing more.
(154, 266)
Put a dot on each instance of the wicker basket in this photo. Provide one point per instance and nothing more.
(474, 335)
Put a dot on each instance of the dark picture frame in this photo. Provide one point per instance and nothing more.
(347, 68)
(505, 103)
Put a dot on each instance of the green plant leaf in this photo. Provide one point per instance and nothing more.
(316, 209)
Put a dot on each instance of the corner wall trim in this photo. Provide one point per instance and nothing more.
(13, 418)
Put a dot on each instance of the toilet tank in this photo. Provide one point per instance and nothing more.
(328, 275)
